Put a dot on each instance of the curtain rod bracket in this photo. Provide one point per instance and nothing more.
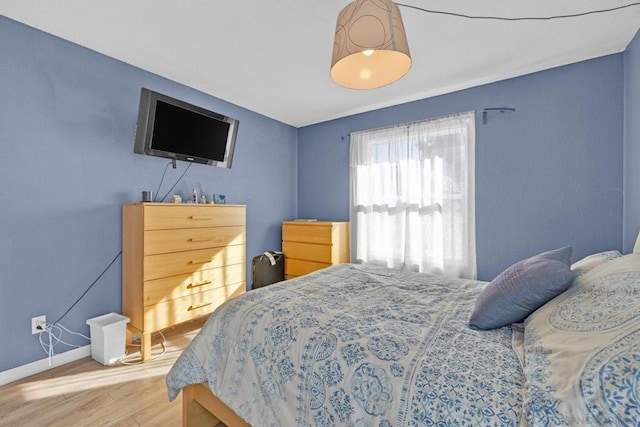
(501, 109)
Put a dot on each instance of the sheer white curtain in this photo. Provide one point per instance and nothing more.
(412, 196)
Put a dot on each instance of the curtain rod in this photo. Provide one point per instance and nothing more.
(409, 123)
(485, 111)
(501, 109)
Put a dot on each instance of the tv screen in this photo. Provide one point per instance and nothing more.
(168, 127)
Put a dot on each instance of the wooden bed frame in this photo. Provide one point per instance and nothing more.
(200, 407)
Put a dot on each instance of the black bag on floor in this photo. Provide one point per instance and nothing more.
(266, 269)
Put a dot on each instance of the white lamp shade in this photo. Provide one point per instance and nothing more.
(370, 48)
(636, 248)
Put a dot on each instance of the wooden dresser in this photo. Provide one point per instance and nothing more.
(179, 262)
(310, 246)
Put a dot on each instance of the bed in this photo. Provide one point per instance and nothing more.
(359, 345)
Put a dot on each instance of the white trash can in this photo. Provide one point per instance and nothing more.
(108, 336)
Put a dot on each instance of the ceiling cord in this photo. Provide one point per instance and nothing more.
(526, 18)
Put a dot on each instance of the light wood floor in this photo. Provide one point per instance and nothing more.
(86, 393)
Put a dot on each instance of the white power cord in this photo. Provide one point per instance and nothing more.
(124, 360)
(54, 332)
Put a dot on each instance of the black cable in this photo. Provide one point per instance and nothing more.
(120, 253)
(161, 180)
(89, 288)
(531, 18)
(177, 181)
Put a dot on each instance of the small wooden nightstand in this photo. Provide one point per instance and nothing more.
(312, 245)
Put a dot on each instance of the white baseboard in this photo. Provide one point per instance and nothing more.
(38, 366)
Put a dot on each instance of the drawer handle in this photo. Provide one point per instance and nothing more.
(195, 285)
(200, 239)
(191, 308)
(203, 261)
(200, 217)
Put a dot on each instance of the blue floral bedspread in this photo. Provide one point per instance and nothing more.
(356, 345)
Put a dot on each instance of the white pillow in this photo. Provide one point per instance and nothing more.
(590, 262)
(581, 350)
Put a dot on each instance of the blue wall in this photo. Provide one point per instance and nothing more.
(67, 122)
(548, 175)
(632, 143)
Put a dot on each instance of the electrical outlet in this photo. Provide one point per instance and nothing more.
(40, 321)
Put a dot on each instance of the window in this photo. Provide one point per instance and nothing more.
(412, 196)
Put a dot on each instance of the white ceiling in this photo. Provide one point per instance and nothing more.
(273, 57)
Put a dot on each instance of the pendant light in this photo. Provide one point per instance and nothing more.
(370, 49)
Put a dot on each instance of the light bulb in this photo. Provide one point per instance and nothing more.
(368, 52)
(365, 74)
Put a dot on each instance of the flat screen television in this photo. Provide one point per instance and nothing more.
(168, 127)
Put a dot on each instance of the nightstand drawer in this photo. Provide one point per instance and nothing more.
(184, 216)
(307, 251)
(190, 307)
(169, 288)
(308, 233)
(295, 267)
(166, 241)
(173, 264)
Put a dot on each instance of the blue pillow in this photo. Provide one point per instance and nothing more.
(522, 288)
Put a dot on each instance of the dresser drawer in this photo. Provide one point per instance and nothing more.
(307, 233)
(173, 287)
(168, 313)
(307, 251)
(173, 264)
(192, 216)
(296, 267)
(165, 241)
